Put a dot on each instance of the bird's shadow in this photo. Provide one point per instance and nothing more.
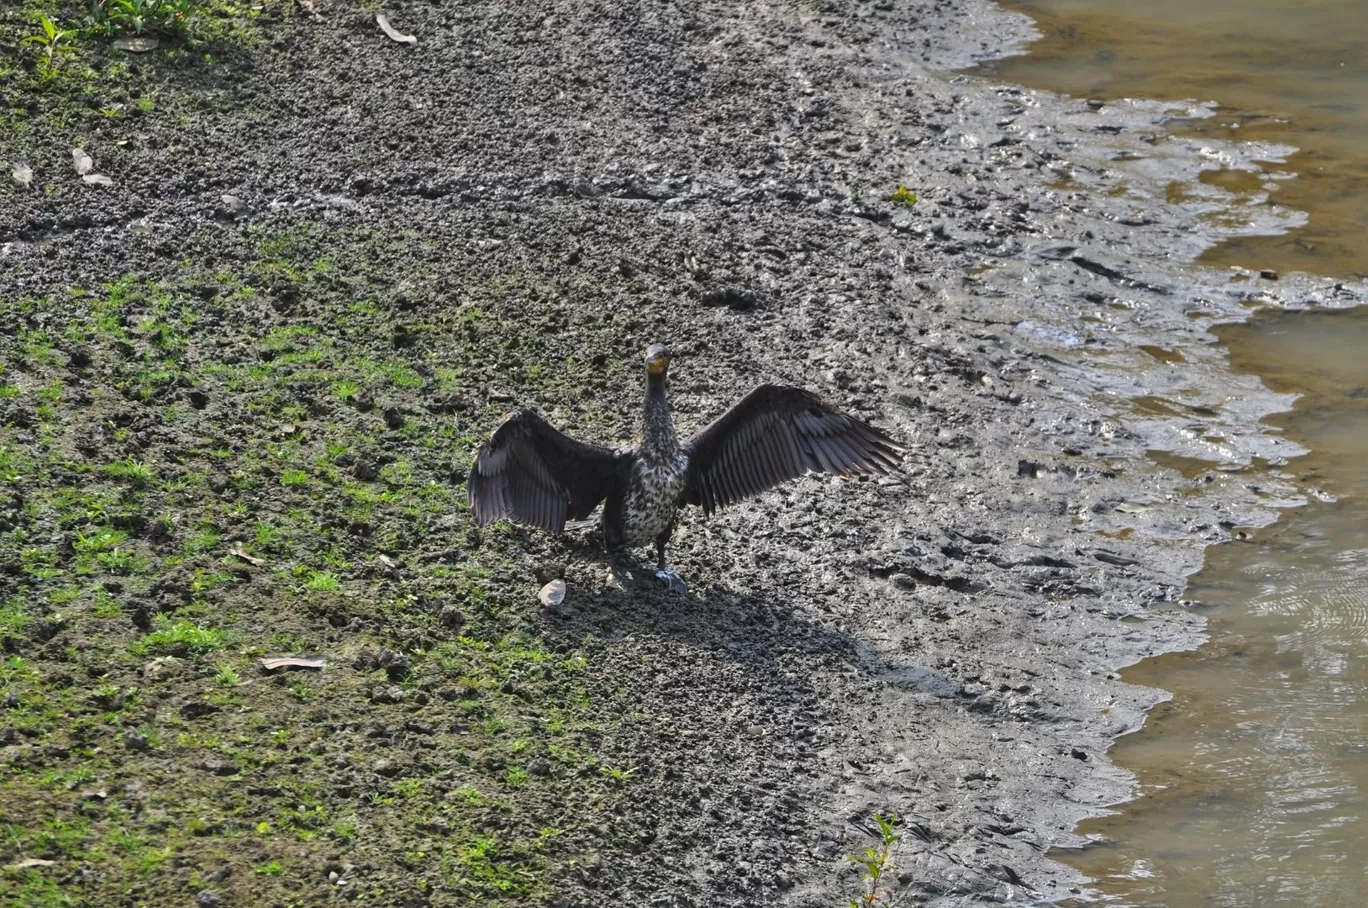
(759, 631)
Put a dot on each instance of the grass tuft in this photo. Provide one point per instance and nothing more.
(178, 638)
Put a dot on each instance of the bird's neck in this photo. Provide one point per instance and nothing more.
(658, 439)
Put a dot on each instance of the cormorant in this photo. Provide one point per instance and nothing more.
(531, 473)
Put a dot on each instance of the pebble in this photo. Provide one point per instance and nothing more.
(553, 593)
(391, 694)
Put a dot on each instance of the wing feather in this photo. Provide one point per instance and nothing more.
(777, 433)
(531, 473)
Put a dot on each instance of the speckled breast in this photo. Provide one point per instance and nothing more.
(651, 499)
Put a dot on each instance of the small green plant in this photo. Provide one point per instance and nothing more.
(105, 606)
(227, 676)
(266, 534)
(206, 539)
(119, 17)
(101, 540)
(179, 637)
(53, 44)
(13, 619)
(270, 868)
(469, 795)
(118, 561)
(616, 775)
(408, 788)
(135, 471)
(875, 862)
(903, 196)
(324, 582)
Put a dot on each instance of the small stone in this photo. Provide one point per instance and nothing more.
(1268, 274)
(392, 694)
(134, 740)
(553, 593)
(396, 665)
(365, 471)
(903, 581)
(207, 898)
(451, 617)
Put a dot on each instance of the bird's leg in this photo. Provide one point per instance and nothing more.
(622, 567)
(672, 581)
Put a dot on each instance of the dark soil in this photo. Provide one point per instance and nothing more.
(241, 387)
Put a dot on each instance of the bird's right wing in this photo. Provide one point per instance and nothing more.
(529, 472)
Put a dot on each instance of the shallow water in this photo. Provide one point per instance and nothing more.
(1254, 778)
(1292, 72)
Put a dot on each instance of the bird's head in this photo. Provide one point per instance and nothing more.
(657, 359)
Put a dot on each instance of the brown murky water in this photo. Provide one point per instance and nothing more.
(1292, 72)
(1254, 778)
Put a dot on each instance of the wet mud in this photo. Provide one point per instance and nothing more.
(242, 386)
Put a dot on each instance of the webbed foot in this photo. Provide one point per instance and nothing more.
(673, 582)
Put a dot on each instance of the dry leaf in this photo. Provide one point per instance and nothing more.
(237, 550)
(22, 173)
(82, 161)
(553, 593)
(98, 179)
(271, 663)
(308, 7)
(138, 44)
(394, 35)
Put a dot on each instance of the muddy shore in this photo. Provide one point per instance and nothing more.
(240, 388)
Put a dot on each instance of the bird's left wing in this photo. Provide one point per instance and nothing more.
(530, 472)
(777, 433)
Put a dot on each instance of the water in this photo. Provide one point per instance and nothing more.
(1253, 780)
(1293, 72)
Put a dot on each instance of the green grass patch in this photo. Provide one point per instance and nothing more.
(178, 638)
(135, 472)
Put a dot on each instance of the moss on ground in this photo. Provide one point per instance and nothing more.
(198, 469)
(67, 74)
